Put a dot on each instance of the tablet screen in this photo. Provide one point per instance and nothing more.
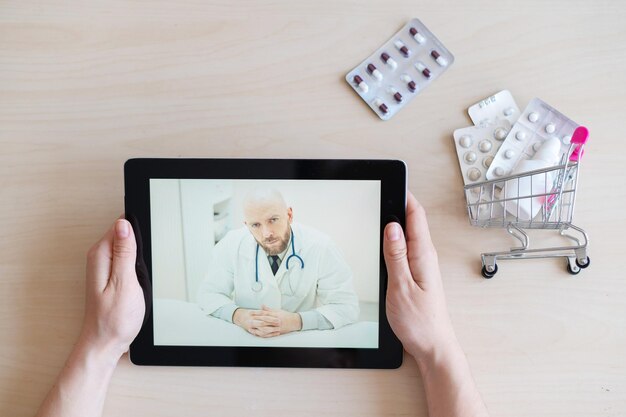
(265, 263)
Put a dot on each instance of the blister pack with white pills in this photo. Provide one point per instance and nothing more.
(498, 106)
(538, 123)
(476, 147)
(400, 69)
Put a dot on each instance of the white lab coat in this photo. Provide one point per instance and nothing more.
(324, 284)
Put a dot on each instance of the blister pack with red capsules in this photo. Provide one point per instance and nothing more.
(400, 69)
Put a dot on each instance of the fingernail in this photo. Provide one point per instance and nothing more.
(393, 231)
(121, 229)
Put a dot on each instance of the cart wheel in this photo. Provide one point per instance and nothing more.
(585, 265)
(488, 274)
(571, 271)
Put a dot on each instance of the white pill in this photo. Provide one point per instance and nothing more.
(465, 141)
(393, 64)
(520, 135)
(473, 174)
(509, 154)
(536, 146)
(508, 111)
(487, 161)
(500, 133)
(470, 157)
(533, 117)
(377, 74)
(499, 171)
(550, 128)
(484, 146)
(405, 78)
(566, 140)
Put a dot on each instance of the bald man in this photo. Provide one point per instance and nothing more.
(274, 276)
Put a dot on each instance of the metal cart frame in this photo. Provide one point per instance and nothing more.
(496, 203)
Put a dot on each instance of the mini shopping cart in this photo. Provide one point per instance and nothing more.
(499, 203)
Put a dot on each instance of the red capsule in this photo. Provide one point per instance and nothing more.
(361, 85)
(409, 82)
(402, 48)
(417, 36)
(394, 93)
(438, 58)
(388, 60)
(371, 68)
(422, 68)
(381, 106)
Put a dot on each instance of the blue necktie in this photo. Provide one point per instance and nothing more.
(274, 263)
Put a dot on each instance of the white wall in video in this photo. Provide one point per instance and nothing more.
(290, 263)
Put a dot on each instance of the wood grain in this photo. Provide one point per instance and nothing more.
(86, 85)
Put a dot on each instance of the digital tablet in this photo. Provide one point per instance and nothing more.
(264, 262)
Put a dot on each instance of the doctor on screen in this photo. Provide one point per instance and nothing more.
(274, 276)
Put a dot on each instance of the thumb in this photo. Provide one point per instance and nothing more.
(395, 251)
(124, 253)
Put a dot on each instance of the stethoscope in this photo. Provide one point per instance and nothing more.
(258, 285)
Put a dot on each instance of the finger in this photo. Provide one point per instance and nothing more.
(124, 254)
(266, 329)
(421, 251)
(395, 252)
(272, 334)
(265, 313)
(99, 260)
(266, 308)
(268, 319)
(262, 323)
(261, 333)
(417, 231)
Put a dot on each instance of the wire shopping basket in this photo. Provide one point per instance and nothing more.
(539, 199)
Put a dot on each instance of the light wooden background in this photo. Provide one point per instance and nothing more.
(84, 85)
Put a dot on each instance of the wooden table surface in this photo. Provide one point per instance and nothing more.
(86, 85)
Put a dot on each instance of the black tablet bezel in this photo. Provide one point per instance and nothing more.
(137, 175)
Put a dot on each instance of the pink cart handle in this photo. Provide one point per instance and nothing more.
(580, 136)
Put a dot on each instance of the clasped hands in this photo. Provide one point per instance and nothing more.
(267, 322)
